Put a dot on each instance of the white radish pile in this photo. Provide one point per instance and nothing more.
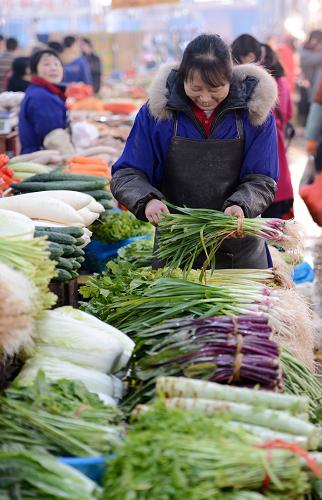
(69, 208)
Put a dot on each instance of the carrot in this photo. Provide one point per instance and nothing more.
(98, 173)
(89, 166)
(87, 160)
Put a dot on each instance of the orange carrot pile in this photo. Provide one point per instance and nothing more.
(88, 165)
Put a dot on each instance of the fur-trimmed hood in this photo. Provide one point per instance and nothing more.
(252, 88)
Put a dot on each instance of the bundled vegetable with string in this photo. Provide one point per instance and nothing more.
(195, 456)
(190, 232)
(237, 350)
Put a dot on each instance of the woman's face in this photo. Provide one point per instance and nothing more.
(249, 58)
(204, 96)
(49, 68)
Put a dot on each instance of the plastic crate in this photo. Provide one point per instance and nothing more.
(92, 467)
(97, 254)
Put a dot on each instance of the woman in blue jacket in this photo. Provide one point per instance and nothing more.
(205, 139)
(43, 107)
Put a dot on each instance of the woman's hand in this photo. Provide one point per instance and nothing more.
(236, 211)
(155, 210)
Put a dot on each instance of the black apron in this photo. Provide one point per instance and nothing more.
(203, 173)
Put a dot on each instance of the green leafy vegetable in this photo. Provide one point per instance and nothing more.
(62, 417)
(114, 226)
(176, 454)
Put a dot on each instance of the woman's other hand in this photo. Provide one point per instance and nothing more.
(155, 210)
(234, 211)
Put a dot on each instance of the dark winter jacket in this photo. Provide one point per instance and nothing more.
(138, 173)
(95, 67)
(41, 112)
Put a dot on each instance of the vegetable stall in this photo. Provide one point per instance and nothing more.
(161, 384)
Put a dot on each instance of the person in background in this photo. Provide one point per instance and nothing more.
(311, 62)
(198, 142)
(2, 44)
(246, 49)
(282, 206)
(20, 76)
(56, 47)
(6, 60)
(76, 68)
(43, 107)
(94, 63)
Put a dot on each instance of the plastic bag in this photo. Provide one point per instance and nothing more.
(84, 134)
(312, 197)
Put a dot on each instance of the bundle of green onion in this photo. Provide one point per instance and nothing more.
(301, 381)
(174, 453)
(169, 298)
(38, 475)
(186, 234)
(61, 417)
(32, 258)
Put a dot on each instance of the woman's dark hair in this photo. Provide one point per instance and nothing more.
(11, 44)
(56, 47)
(19, 66)
(69, 41)
(210, 56)
(35, 58)
(244, 45)
(314, 37)
(272, 62)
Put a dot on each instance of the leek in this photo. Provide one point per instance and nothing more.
(186, 234)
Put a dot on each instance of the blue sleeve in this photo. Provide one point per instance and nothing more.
(46, 116)
(260, 151)
(146, 147)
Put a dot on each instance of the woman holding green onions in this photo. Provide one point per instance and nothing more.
(205, 139)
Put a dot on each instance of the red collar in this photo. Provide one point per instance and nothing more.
(55, 89)
(205, 121)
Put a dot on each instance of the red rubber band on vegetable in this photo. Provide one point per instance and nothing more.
(297, 450)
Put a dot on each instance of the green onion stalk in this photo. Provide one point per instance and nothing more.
(169, 298)
(301, 381)
(32, 258)
(185, 235)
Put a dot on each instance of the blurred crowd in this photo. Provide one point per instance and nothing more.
(80, 63)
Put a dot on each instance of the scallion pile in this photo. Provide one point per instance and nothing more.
(32, 258)
(186, 234)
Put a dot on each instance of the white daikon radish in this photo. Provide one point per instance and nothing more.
(15, 224)
(87, 232)
(87, 216)
(75, 199)
(48, 223)
(34, 206)
(95, 206)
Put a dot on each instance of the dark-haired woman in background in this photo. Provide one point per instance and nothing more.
(20, 76)
(205, 139)
(246, 47)
(43, 107)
